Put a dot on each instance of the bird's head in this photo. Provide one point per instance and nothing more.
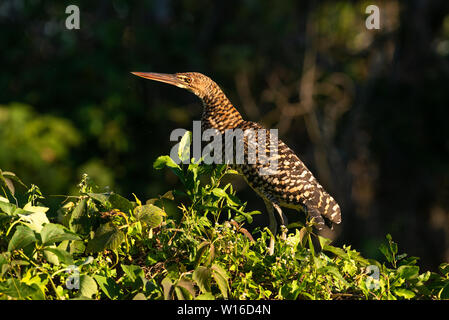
(195, 82)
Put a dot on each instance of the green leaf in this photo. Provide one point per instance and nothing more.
(17, 289)
(444, 292)
(107, 236)
(23, 237)
(35, 220)
(219, 193)
(168, 195)
(185, 289)
(4, 266)
(205, 296)
(423, 277)
(135, 274)
(404, 293)
(108, 286)
(233, 200)
(77, 246)
(246, 215)
(220, 276)
(392, 244)
(52, 233)
(29, 207)
(112, 200)
(408, 272)
(62, 255)
(76, 221)
(103, 198)
(444, 268)
(88, 286)
(51, 257)
(12, 176)
(335, 272)
(164, 161)
(7, 207)
(167, 285)
(4, 257)
(200, 250)
(121, 203)
(139, 296)
(11, 209)
(389, 250)
(324, 241)
(184, 147)
(7, 178)
(202, 277)
(9, 185)
(150, 214)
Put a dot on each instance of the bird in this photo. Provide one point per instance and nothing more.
(291, 185)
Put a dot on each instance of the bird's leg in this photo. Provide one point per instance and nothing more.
(271, 206)
(272, 226)
(283, 220)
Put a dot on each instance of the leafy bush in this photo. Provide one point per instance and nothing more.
(45, 143)
(185, 244)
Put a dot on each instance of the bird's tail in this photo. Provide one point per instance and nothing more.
(320, 206)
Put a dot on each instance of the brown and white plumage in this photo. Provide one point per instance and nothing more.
(290, 185)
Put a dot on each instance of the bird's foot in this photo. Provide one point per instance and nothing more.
(284, 231)
(271, 247)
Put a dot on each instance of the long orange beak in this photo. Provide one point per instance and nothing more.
(161, 77)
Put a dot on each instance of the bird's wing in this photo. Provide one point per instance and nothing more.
(288, 179)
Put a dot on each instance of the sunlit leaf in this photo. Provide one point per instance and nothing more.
(75, 221)
(107, 236)
(444, 292)
(202, 277)
(14, 288)
(135, 274)
(221, 277)
(29, 207)
(139, 296)
(62, 255)
(150, 214)
(163, 161)
(120, 203)
(167, 286)
(205, 296)
(103, 198)
(12, 176)
(184, 147)
(88, 286)
(186, 288)
(404, 293)
(23, 236)
(110, 288)
(35, 220)
(52, 233)
(408, 272)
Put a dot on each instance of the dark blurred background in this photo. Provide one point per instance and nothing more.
(366, 110)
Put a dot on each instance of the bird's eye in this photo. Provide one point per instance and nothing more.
(184, 78)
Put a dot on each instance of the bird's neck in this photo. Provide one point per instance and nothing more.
(218, 112)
